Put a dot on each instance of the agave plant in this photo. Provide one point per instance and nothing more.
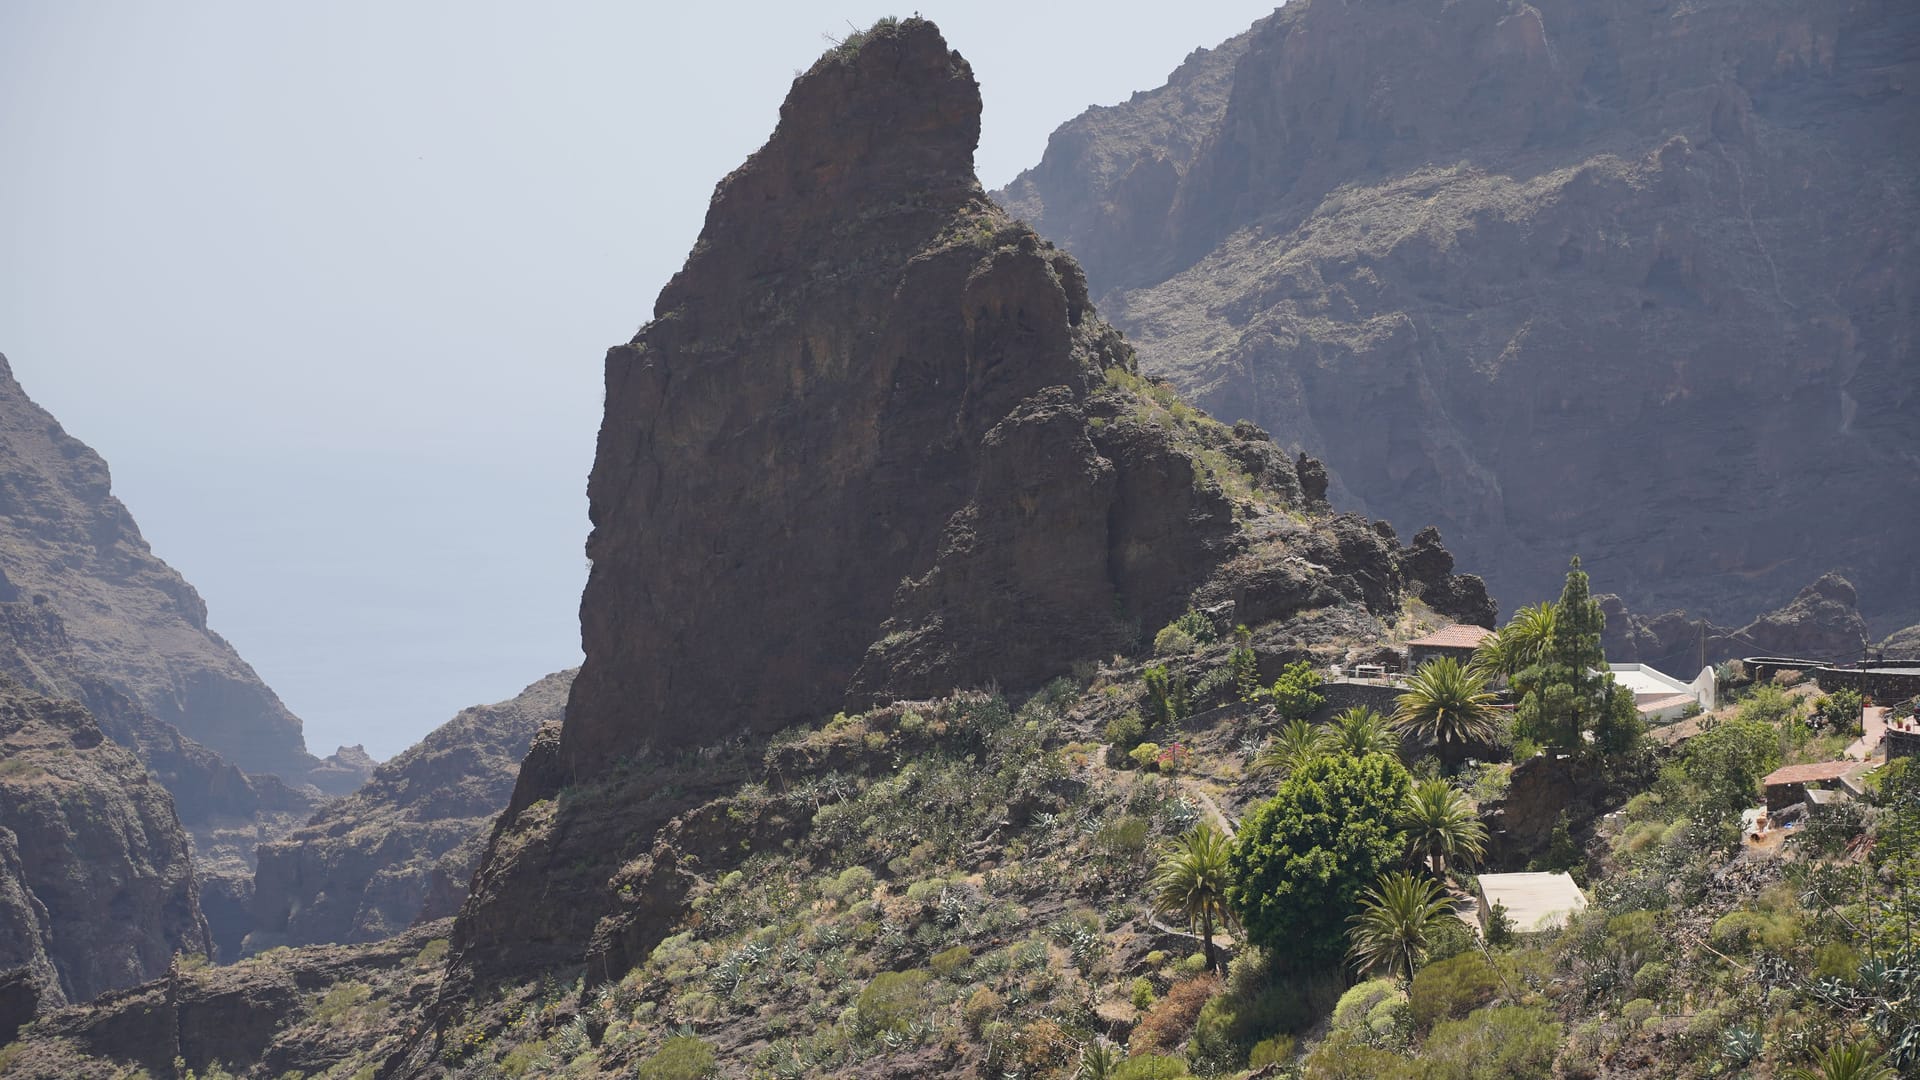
(1847, 1061)
(1100, 1060)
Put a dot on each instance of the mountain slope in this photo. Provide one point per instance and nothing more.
(402, 848)
(96, 886)
(876, 444)
(66, 541)
(1633, 280)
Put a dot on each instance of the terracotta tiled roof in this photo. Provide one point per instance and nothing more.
(1457, 636)
(1804, 774)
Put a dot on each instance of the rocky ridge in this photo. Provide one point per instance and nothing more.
(401, 850)
(875, 444)
(1821, 623)
(97, 887)
(1633, 280)
(126, 618)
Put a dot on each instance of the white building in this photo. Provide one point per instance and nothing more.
(1660, 697)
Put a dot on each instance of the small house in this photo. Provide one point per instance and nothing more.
(1535, 902)
(1661, 698)
(1797, 783)
(1457, 641)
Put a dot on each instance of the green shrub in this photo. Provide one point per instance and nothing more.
(1142, 996)
(891, 1001)
(682, 1057)
(1173, 641)
(1293, 693)
(340, 1000)
(1507, 1042)
(1123, 733)
(854, 883)
(1275, 1051)
(951, 962)
(982, 1006)
(1146, 755)
(1450, 989)
(1152, 1067)
(1652, 980)
(1375, 1012)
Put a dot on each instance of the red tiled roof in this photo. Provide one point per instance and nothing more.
(1803, 774)
(1457, 636)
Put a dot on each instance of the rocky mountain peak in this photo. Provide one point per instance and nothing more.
(877, 445)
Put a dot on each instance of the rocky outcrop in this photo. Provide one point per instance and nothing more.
(1624, 279)
(1902, 644)
(1821, 623)
(126, 618)
(96, 885)
(330, 1010)
(876, 443)
(401, 849)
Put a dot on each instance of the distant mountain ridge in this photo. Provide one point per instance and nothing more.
(125, 615)
(1630, 279)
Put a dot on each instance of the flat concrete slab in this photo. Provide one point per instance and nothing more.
(1534, 902)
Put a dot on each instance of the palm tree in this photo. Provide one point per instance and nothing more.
(1297, 743)
(1397, 918)
(1447, 703)
(1360, 731)
(1519, 645)
(1441, 825)
(1848, 1061)
(1191, 881)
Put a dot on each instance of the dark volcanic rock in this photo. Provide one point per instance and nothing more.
(95, 878)
(402, 848)
(1821, 623)
(876, 443)
(128, 618)
(1624, 279)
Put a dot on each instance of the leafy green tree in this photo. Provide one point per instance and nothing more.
(1360, 731)
(1449, 703)
(1568, 694)
(1297, 743)
(1294, 692)
(1724, 766)
(1396, 920)
(1244, 665)
(1166, 694)
(1441, 825)
(1304, 857)
(1192, 879)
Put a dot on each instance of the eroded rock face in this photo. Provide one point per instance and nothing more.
(875, 444)
(401, 849)
(1624, 279)
(126, 616)
(1821, 623)
(96, 884)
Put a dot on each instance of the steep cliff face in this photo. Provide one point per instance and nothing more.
(402, 849)
(1633, 280)
(96, 886)
(127, 617)
(875, 444)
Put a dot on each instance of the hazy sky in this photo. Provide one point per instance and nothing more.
(329, 283)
